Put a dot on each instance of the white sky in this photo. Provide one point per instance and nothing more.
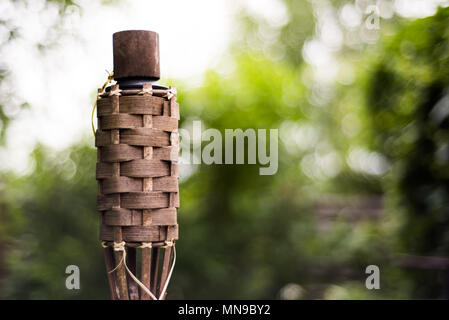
(59, 84)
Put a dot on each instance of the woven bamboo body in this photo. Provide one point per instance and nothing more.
(137, 173)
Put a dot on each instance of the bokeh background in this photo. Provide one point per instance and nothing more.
(357, 89)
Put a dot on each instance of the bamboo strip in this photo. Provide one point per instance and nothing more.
(132, 285)
(145, 272)
(147, 154)
(155, 256)
(118, 237)
(108, 252)
(166, 266)
(109, 258)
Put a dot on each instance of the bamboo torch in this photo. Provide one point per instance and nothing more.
(137, 171)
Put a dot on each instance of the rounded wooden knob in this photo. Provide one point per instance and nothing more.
(136, 54)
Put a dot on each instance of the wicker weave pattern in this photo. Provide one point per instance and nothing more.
(137, 168)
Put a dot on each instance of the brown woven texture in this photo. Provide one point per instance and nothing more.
(137, 170)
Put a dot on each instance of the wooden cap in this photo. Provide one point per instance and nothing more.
(136, 54)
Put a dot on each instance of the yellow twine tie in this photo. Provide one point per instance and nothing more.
(110, 78)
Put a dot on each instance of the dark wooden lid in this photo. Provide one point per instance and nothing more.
(136, 54)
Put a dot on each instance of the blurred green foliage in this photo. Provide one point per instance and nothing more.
(407, 97)
(246, 236)
(54, 226)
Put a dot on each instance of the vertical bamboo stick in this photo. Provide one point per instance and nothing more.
(109, 258)
(108, 252)
(145, 272)
(118, 237)
(146, 186)
(165, 267)
(120, 271)
(155, 256)
(132, 285)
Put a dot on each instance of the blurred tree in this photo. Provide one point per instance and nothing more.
(12, 27)
(408, 102)
(18, 223)
(56, 226)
